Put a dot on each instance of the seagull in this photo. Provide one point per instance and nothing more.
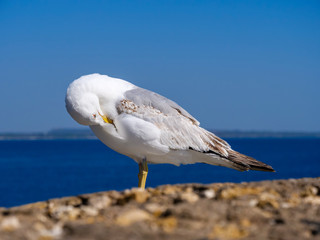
(148, 127)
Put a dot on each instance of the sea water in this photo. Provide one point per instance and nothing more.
(38, 170)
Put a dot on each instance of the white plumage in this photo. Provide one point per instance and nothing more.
(147, 126)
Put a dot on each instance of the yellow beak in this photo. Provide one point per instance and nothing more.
(106, 119)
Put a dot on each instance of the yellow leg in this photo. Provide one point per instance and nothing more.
(143, 172)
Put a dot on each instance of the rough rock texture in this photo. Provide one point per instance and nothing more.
(284, 209)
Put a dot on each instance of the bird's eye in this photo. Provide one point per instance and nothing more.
(94, 116)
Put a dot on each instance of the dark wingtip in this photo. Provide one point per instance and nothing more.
(249, 162)
(265, 168)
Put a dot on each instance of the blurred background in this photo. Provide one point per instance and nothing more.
(239, 67)
(245, 65)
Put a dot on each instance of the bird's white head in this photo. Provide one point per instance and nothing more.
(91, 99)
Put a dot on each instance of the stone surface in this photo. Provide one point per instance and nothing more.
(283, 209)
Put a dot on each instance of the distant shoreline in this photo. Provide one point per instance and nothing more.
(79, 134)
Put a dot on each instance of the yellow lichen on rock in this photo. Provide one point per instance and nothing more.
(168, 224)
(134, 215)
(228, 231)
(189, 197)
(235, 192)
(266, 199)
(9, 224)
(155, 209)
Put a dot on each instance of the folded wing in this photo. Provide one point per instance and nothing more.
(181, 131)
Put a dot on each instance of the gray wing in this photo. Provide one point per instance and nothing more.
(179, 130)
(143, 97)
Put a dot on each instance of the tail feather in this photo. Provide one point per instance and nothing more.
(247, 163)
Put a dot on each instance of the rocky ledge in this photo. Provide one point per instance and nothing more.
(283, 209)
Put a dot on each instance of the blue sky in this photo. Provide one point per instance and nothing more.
(246, 65)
